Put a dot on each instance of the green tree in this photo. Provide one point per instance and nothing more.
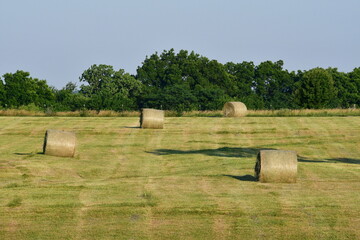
(216, 74)
(274, 85)
(178, 98)
(110, 89)
(21, 89)
(210, 98)
(2, 94)
(184, 70)
(169, 68)
(69, 99)
(355, 80)
(173, 97)
(44, 96)
(347, 92)
(243, 75)
(316, 89)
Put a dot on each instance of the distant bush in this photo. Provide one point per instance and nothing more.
(31, 107)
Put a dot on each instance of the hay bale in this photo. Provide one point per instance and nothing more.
(276, 166)
(59, 143)
(234, 109)
(152, 118)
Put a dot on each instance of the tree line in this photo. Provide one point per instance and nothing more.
(186, 81)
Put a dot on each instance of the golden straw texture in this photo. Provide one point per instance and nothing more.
(59, 143)
(234, 109)
(152, 118)
(276, 166)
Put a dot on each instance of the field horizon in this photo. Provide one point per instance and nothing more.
(335, 112)
(194, 179)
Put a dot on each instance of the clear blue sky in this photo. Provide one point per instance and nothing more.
(57, 40)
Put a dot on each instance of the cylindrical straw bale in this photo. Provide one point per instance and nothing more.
(276, 166)
(234, 109)
(152, 118)
(59, 143)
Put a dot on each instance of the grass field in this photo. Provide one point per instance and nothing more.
(191, 180)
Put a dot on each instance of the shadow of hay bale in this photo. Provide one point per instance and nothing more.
(247, 178)
(329, 160)
(233, 152)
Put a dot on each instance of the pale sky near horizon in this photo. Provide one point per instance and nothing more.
(57, 40)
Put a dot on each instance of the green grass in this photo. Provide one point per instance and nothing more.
(191, 180)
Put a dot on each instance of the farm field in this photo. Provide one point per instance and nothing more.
(191, 180)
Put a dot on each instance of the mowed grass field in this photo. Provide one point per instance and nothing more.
(191, 180)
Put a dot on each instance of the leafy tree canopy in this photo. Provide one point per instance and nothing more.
(21, 89)
(316, 89)
(110, 89)
(2, 93)
(183, 81)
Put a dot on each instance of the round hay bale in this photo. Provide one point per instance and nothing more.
(59, 143)
(234, 109)
(276, 166)
(152, 118)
